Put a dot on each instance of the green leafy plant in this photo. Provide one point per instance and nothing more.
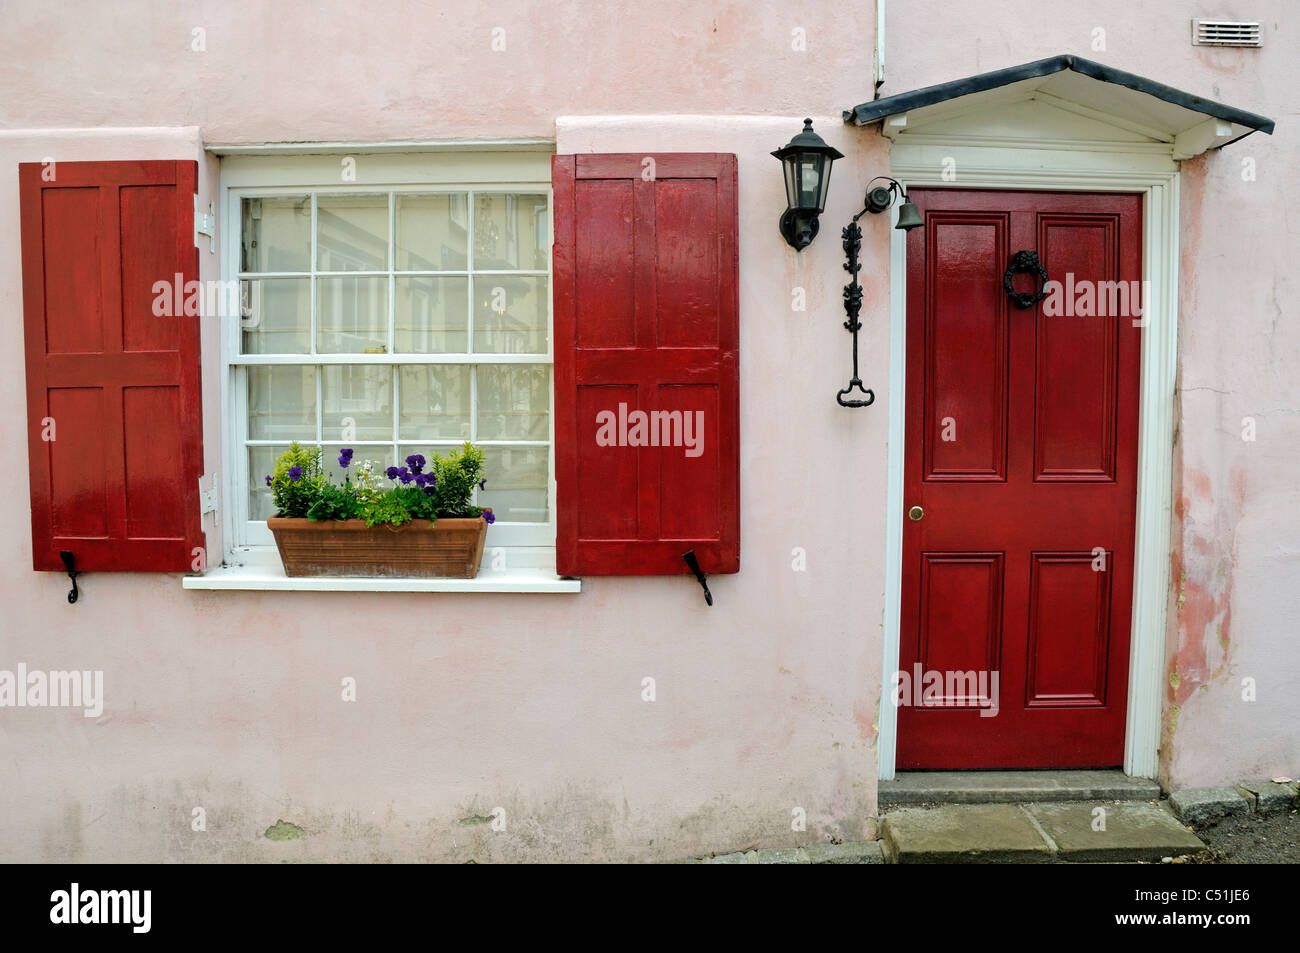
(437, 489)
(335, 503)
(297, 481)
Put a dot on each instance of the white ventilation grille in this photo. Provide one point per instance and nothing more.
(1226, 33)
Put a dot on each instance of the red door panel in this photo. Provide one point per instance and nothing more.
(1021, 451)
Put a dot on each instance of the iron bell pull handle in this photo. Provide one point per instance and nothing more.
(69, 563)
(870, 395)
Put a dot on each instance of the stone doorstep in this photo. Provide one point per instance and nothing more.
(916, 788)
(1033, 833)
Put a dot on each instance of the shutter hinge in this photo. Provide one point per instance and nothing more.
(208, 498)
(205, 224)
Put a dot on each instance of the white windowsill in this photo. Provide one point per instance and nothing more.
(262, 570)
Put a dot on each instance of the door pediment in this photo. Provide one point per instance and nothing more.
(1063, 99)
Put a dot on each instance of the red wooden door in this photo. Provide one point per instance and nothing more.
(1021, 452)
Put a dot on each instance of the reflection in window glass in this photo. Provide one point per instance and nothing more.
(357, 402)
(352, 315)
(432, 232)
(514, 401)
(510, 315)
(435, 402)
(352, 233)
(516, 483)
(432, 316)
(276, 233)
(282, 403)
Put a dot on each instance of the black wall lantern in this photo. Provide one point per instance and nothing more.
(807, 163)
(877, 201)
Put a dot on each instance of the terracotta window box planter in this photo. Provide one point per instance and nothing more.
(445, 548)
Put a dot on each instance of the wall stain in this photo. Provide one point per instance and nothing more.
(283, 830)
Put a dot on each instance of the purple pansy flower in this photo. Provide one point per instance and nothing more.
(295, 474)
(416, 462)
(420, 479)
(345, 457)
(391, 473)
(268, 479)
(487, 515)
(405, 475)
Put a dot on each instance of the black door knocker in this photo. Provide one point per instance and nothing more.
(1025, 263)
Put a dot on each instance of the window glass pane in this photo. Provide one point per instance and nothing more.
(514, 401)
(510, 232)
(352, 233)
(358, 402)
(282, 403)
(381, 454)
(276, 315)
(277, 233)
(435, 402)
(432, 232)
(516, 483)
(432, 315)
(352, 315)
(509, 315)
(261, 464)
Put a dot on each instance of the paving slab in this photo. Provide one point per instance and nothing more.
(774, 855)
(857, 852)
(963, 834)
(1268, 795)
(1133, 832)
(1207, 805)
(1010, 787)
(736, 858)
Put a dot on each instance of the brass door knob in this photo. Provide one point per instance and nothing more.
(915, 513)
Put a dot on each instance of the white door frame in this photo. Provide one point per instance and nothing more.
(1099, 167)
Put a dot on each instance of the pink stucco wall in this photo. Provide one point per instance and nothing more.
(766, 702)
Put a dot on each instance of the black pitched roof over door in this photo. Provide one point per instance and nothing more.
(1170, 110)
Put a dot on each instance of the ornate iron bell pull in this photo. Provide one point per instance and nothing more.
(852, 235)
(1025, 263)
(69, 562)
(702, 579)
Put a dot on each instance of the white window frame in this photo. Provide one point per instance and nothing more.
(248, 542)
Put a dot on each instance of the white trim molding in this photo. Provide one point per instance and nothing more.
(1082, 168)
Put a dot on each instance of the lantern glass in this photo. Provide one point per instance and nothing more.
(824, 180)
(790, 165)
(810, 174)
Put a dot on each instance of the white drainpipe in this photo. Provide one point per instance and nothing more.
(880, 48)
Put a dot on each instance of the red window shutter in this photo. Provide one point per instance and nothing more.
(115, 386)
(646, 319)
